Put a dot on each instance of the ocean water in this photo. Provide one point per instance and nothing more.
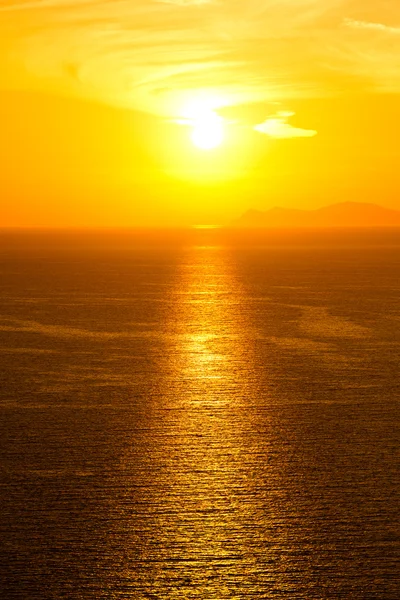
(199, 415)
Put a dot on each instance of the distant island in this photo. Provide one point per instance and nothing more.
(343, 214)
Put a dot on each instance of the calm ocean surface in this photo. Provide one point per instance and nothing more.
(199, 416)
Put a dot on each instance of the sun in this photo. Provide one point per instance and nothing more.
(207, 126)
(208, 130)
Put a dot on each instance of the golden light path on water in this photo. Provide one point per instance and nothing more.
(208, 519)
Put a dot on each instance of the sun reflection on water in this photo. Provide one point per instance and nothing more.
(208, 528)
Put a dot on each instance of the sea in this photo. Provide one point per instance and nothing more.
(199, 414)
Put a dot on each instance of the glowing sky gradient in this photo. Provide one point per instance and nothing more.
(309, 91)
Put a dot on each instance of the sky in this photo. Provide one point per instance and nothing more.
(190, 112)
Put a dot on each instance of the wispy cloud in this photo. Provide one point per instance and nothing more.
(154, 55)
(371, 26)
(277, 126)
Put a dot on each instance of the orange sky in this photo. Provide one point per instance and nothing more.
(99, 99)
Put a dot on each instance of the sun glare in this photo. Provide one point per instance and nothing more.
(208, 132)
(207, 126)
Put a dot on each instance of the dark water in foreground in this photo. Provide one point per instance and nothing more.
(197, 419)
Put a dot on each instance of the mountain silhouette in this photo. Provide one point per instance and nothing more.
(343, 214)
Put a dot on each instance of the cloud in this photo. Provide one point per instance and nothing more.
(277, 126)
(156, 55)
(352, 24)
